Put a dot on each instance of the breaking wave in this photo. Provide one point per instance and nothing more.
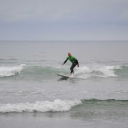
(62, 105)
(85, 72)
(40, 106)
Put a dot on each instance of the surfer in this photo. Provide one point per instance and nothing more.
(74, 62)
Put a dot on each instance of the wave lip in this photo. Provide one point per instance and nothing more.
(40, 106)
(10, 71)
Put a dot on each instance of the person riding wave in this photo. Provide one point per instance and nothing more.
(74, 62)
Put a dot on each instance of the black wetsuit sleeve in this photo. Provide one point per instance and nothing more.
(65, 61)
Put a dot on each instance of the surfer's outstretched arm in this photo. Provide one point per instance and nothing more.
(65, 62)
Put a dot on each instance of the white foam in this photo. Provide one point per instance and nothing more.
(10, 70)
(96, 71)
(40, 106)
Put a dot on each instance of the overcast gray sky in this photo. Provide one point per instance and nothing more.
(63, 19)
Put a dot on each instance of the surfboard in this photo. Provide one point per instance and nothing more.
(65, 76)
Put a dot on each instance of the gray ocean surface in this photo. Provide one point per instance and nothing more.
(32, 95)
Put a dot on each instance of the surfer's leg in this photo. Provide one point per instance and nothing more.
(73, 65)
(71, 70)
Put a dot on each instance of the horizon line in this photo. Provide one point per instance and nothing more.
(62, 40)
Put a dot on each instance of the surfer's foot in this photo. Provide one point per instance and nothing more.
(69, 74)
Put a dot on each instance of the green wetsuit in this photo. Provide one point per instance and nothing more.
(71, 58)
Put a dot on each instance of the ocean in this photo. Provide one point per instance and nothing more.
(32, 95)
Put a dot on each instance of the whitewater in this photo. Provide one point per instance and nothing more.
(97, 94)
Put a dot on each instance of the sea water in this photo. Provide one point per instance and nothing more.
(32, 95)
